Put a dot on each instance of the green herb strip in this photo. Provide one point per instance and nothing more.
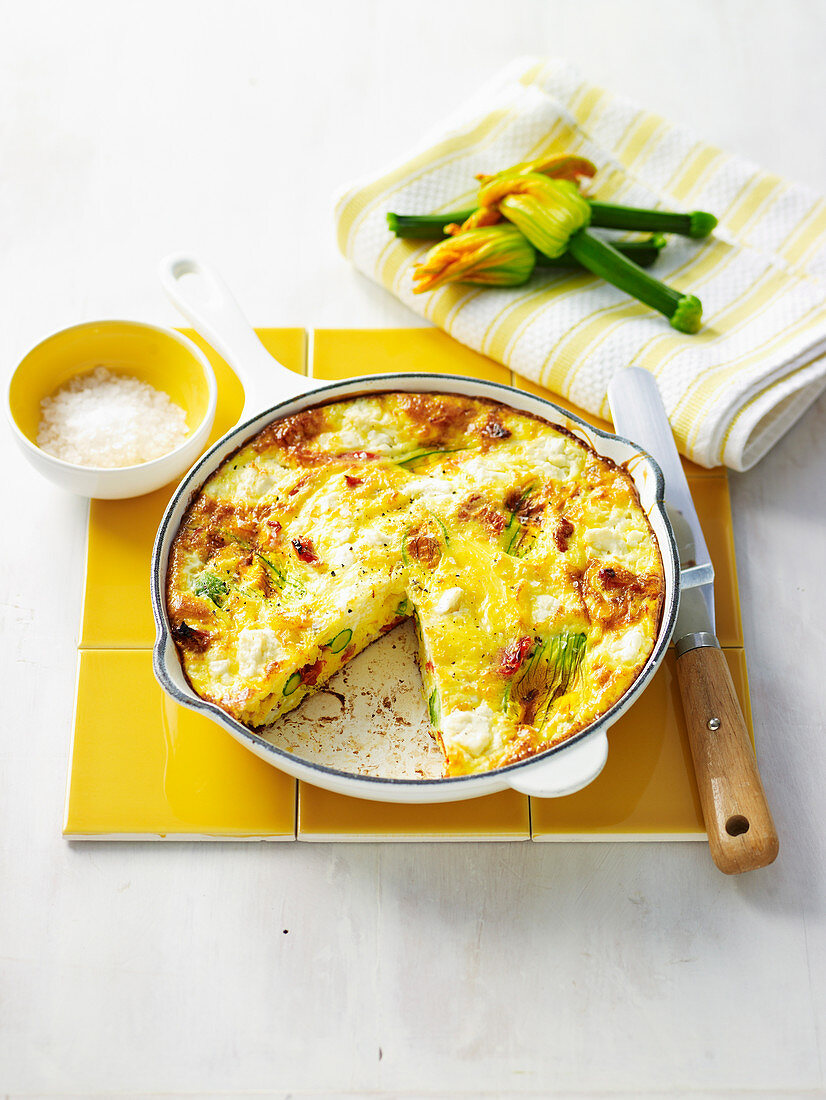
(211, 587)
(426, 454)
(434, 709)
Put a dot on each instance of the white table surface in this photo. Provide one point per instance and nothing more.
(130, 130)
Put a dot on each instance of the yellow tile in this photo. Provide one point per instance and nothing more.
(647, 788)
(116, 608)
(713, 504)
(326, 816)
(345, 353)
(691, 468)
(142, 765)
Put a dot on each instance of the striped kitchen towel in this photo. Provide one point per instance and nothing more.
(731, 390)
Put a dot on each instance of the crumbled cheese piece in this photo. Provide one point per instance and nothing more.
(327, 502)
(551, 451)
(427, 486)
(604, 540)
(626, 649)
(353, 598)
(371, 537)
(377, 442)
(342, 556)
(258, 647)
(219, 670)
(254, 483)
(545, 609)
(106, 419)
(448, 601)
(549, 446)
(472, 730)
(487, 468)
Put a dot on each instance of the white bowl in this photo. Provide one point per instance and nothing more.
(165, 359)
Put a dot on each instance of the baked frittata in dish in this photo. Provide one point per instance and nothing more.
(526, 559)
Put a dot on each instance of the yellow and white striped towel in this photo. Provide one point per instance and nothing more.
(731, 390)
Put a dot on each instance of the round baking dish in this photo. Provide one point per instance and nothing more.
(563, 768)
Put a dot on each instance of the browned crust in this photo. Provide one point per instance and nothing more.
(477, 507)
(618, 597)
(435, 416)
(291, 433)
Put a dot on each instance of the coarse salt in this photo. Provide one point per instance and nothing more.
(107, 419)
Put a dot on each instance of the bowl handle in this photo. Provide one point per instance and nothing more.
(203, 298)
(565, 772)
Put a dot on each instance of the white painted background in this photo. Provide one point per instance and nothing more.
(131, 129)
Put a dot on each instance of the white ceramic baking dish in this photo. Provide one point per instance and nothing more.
(561, 770)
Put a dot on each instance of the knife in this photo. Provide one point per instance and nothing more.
(738, 821)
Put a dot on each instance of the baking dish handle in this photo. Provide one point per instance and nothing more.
(565, 772)
(203, 298)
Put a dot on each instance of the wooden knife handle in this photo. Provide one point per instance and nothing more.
(741, 832)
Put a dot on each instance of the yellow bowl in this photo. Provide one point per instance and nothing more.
(159, 356)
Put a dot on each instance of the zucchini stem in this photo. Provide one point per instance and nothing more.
(604, 215)
(643, 253)
(425, 227)
(684, 311)
(607, 215)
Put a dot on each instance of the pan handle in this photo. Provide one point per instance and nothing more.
(565, 772)
(203, 298)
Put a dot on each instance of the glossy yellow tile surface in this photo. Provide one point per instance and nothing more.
(647, 788)
(116, 607)
(143, 765)
(344, 353)
(713, 504)
(326, 816)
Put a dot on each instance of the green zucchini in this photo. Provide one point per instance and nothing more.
(341, 641)
(291, 685)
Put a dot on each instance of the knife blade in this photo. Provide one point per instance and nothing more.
(639, 414)
(738, 821)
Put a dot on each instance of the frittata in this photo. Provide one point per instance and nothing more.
(526, 559)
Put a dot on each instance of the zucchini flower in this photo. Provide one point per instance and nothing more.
(559, 167)
(556, 167)
(495, 255)
(547, 211)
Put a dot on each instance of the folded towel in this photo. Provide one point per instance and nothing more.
(732, 389)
